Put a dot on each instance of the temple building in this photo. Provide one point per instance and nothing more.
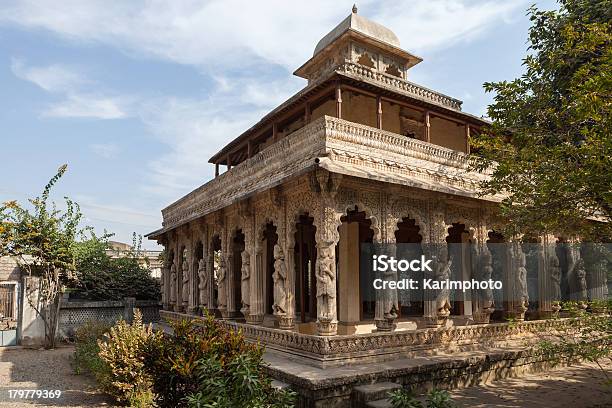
(359, 155)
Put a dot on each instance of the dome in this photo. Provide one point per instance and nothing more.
(362, 25)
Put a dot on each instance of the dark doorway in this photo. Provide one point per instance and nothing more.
(409, 247)
(305, 255)
(237, 248)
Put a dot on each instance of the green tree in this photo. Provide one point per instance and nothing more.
(42, 240)
(100, 277)
(549, 146)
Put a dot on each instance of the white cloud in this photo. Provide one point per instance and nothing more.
(78, 99)
(105, 150)
(52, 78)
(233, 41)
(234, 33)
(86, 106)
(196, 129)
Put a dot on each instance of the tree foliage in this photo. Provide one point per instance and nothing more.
(549, 145)
(100, 277)
(42, 240)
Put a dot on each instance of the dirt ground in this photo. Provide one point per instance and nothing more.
(578, 386)
(23, 369)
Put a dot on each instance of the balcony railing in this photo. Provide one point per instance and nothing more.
(335, 142)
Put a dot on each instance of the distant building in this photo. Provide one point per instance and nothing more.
(148, 259)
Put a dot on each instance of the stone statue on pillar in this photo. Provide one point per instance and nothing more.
(245, 289)
(484, 272)
(280, 282)
(173, 283)
(326, 289)
(443, 272)
(521, 296)
(203, 282)
(185, 282)
(222, 285)
(555, 280)
(581, 283)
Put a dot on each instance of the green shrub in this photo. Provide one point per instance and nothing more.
(123, 350)
(404, 398)
(86, 350)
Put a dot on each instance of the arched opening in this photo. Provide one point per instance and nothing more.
(215, 250)
(236, 265)
(355, 302)
(305, 256)
(499, 258)
(459, 241)
(409, 239)
(269, 239)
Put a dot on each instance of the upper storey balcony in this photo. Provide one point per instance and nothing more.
(339, 146)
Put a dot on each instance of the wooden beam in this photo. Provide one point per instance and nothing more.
(338, 101)
(229, 162)
(216, 169)
(467, 138)
(249, 149)
(427, 128)
(274, 131)
(379, 112)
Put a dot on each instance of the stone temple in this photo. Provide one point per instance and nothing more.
(359, 155)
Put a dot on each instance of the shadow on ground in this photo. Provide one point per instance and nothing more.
(22, 369)
(577, 386)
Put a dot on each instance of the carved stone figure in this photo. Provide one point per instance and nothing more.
(581, 283)
(203, 282)
(520, 283)
(280, 281)
(555, 281)
(486, 272)
(173, 283)
(185, 281)
(222, 285)
(245, 277)
(443, 272)
(326, 283)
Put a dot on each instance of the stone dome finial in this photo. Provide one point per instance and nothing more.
(354, 8)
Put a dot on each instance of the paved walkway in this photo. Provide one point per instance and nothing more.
(46, 370)
(578, 386)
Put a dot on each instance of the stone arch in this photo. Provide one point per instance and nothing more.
(360, 205)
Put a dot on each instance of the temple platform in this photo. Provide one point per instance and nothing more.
(356, 370)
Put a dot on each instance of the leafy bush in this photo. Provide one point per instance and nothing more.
(86, 356)
(196, 366)
(100, 277)
(207, 365)
(123, 350)
(404, 398)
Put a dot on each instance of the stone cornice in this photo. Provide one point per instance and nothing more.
(395, 84)
(341, 147)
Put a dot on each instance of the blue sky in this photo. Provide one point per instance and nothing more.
(136, 96)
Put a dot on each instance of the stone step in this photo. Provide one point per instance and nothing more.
(381, 403)
(370, 392)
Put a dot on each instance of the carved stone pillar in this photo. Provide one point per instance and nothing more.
(225, 295)
(482, 260)
(518, 300)
(436, 308)
(325, 270)
(287, 322)
(386, 306)
(545, 301)
(596, 261)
